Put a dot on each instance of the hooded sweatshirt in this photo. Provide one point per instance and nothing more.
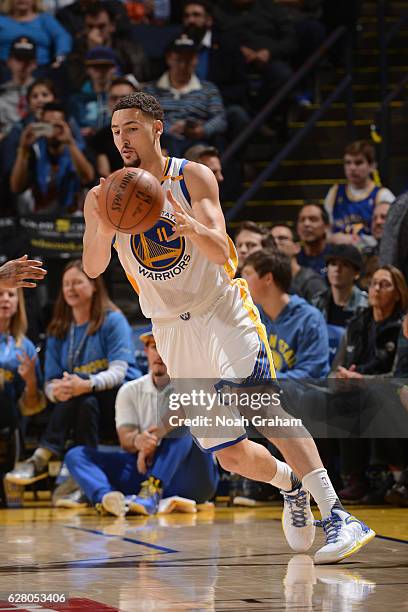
(298, 340)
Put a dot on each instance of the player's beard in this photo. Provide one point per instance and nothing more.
(135, 163)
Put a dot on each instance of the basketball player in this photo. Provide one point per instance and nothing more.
(206, 325)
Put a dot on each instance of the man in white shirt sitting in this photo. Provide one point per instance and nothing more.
(169, 466)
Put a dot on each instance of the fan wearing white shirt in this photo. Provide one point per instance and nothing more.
(170, 466)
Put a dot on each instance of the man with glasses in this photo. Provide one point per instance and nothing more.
(305, 282)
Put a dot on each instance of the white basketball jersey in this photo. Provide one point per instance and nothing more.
(171, 277)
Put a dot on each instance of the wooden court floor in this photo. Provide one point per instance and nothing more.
(227, 559)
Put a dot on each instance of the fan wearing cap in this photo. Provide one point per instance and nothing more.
(24, 18)
(101, 31)
(342, 299)
(170, 466)
(89, 106)
(193, 108)
(13, 93)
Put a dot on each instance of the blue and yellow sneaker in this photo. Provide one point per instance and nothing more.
(147, 501)
(345, 535)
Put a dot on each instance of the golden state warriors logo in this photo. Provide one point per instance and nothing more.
(159, 257)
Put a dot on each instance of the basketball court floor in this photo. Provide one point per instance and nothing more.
(222, 559)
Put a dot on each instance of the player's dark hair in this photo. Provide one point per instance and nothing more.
(142, 101)
(276, 263)
(251, 226)
(63, 317)
(323, 211)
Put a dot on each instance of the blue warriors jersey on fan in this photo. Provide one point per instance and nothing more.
(353, 217)
(111, 342)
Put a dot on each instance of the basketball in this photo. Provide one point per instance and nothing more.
(131, 200)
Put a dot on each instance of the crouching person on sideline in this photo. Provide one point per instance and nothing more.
(166, 467)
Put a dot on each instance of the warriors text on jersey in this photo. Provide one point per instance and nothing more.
(171, 276)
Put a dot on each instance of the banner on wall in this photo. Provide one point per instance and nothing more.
(52, 236)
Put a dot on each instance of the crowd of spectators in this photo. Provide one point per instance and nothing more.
(350, 331)
(211, 64)
(331, 289)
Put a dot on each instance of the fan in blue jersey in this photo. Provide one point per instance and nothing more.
(351, 205)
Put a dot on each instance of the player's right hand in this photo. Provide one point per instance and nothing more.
(103, 228)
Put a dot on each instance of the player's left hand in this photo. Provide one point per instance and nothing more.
(185, 224)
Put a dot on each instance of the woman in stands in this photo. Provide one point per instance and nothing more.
(369, 349)
(20, 375)
(89, 355)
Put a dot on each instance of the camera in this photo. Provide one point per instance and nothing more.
(43, 129)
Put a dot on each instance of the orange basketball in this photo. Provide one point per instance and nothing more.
(131, 200)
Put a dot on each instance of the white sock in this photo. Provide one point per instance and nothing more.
(319, 486)
(284, 478)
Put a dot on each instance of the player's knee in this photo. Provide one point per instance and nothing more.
(230, 458)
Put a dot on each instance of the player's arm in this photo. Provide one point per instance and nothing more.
(97, 237)
(207, 228)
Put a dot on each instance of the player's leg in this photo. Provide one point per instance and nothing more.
(344, 533)
(241, 356)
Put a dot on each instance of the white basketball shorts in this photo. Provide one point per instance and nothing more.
(223, 344)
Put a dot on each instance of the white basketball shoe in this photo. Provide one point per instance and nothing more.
(345, 535)
(297, 519)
